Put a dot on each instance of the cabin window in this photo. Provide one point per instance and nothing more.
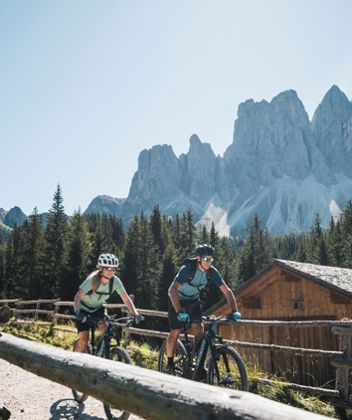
(253, 302)
(298, 303)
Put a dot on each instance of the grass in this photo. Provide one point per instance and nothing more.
(145, 356)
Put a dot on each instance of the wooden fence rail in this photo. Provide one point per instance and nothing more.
(341, 360)
(152, 395)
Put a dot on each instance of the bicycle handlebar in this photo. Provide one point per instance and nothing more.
(119, 322)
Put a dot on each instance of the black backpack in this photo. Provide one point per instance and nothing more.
(191, 261)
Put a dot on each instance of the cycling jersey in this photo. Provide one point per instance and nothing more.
(191, 282)
(91, 302)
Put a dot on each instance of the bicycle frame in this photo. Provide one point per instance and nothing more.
(107, 336)
(200, 350)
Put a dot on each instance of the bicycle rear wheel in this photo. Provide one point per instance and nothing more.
(231, 369)
(80, 396)
(180, 357)
(118, 354)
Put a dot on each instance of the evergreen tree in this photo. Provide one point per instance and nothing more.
(317, 252)
(33, 254)
(255, 253)
(2, 267)
(131, 264)
(77, 256)
(346, 230)
(204, 237)
(155, 224)
(335, 244)
(55, 243)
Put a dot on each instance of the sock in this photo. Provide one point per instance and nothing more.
(170, 361)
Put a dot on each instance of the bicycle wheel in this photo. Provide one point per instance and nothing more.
(118, 354)
(232, 371)
(80, 396)
(180, 357)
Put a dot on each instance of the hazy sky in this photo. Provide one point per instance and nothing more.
(86, 85)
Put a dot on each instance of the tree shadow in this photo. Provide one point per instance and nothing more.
(69, 409)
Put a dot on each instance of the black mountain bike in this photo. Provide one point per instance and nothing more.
(211, 361)
(103, 346)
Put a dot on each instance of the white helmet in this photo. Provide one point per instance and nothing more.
(108, 260)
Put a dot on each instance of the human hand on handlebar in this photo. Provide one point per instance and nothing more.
(235, 316)
(183, 316)
(139, 318)
(79, 316)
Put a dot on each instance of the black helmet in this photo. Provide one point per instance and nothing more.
(205, 249)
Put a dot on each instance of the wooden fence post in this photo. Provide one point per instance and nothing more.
(126, 335)
(342, 371)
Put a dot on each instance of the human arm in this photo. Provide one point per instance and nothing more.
(128, 302)
(173, 295)
(230, 297)
(77, 300)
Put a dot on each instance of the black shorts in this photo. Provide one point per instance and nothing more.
(193, 309)
(98, 314)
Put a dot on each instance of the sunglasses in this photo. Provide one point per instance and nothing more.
(208, 259)
(110, 269)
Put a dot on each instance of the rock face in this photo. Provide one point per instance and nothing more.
(280, 166)
(14, 216)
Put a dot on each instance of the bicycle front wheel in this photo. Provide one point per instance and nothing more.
(118, 354)
(80, 396)
(227, 369)
(180, 357)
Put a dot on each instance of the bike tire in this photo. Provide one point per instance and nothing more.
(80, 397)
(118, 354)
(180, 357)
(233, 373)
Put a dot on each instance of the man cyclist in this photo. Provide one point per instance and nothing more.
(93, 293)
(184, 303)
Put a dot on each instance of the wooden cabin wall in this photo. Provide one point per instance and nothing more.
(281, 295)
(305, 370)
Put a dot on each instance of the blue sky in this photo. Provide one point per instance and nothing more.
(86, 85)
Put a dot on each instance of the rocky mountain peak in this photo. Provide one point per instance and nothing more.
(334, 106)
(15, 216)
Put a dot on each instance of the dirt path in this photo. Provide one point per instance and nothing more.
(30, 397)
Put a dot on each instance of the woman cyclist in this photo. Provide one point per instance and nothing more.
(93, 293)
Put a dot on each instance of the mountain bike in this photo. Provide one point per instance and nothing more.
(211, 360)
(104, 347)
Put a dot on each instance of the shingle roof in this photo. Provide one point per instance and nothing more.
(336, 277)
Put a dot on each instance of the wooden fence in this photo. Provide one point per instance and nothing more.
(152, 395)
(340, 360)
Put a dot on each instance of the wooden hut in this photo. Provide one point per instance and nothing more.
(289, 290)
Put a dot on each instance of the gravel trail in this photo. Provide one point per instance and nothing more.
(31, 397)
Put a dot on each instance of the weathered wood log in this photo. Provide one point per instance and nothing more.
(33, 311)
(151, 312)
(35, 302)
(341, 329)
(8, 301)
(341, 362)
(152, 395)
(4, 411)
(342, 372)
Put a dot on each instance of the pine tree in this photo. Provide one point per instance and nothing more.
(155, 224)
(255, 253)
(33, 254)
(77, 256)
(55, 243)
(317, 252)
(335, 244)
